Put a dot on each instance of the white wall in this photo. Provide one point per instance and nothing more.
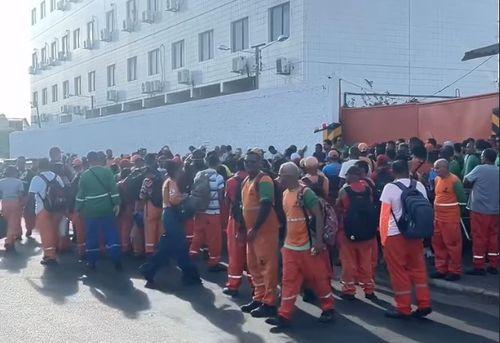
(278, 117)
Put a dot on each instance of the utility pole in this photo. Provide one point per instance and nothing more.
(257, 52)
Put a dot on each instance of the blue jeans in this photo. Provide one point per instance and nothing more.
(103, 226)
(173, 245)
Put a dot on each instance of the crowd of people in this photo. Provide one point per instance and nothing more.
(352, 206)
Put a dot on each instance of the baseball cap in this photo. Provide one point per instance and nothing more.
(363, 147)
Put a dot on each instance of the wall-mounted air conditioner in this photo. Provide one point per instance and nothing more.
(112, 95)
(184, 76)
(283, 67)
(240, 65)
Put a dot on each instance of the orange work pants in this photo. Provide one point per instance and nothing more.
(78, 223)
(262, 262)
(207, 230)
(447, 245)
(125, 224)
(153, 227)
(406, 266)
(12, 211)
(237, 255)
(189, 227)
(299, 267)
(484, 239)
(48, 225)
(356, 258)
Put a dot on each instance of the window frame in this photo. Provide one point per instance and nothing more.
(53, 5)
(78, 85)
(244, 34)
(55, 93)
(43, 9)
(111, 75)
(91, 81)
(132, 10)
(201, 48)
(91, 31)
(110, 18)
(34, 98)
(45, 96)
(33, 16)
(154, 70)
(177, 64)
(285, 29)
(65, 89)
(76, 38)
(132, 72)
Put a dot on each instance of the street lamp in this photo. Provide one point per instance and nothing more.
(257, 49)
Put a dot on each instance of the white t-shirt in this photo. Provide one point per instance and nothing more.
(392, 195)
(345, 167)
(39, 187)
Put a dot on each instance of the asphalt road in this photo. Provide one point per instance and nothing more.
(68, 304)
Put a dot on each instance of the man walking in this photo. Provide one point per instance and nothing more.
(99, 203)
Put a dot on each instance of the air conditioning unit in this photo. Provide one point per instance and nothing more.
(89, 44)
(62, 5)
(107, 36)
(64, 55)
(129, 25)
(173, 5)
(149, 17)
(158, 86)
(147, 87)
(184, 76)
(112, 95)
(283, 67)
(240, 65)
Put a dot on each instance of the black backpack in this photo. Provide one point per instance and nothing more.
(417, 220)
(360, 223)
(156, 191)
(55, 195)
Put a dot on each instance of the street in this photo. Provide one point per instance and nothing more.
(68, 304)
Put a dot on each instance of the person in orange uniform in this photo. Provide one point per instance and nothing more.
(404, 257)
(77, 221)
(127, 205)
(356, 256)
(262, 237)
(11, 195)
(447, 238)
(303, 250)
(236, 234)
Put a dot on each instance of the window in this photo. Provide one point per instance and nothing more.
(35, 99)
(44, 55)
(110, 21)
(34, 60)
(42, 10)
(239, 35)
(111, 75)
(65, 43)
(279, 21)
(54, 93)
(206, 45)
(66, 89)
(52, 5)
(178, 54)
(78, 85)
(153, 59)
(153, 5)
(90, 31)
(53, 50)
(132, 69)
(76, 39)
(45, 96)
(33, 16)
(91, 77)
(131, 10)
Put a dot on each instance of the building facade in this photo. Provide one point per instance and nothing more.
(188, 72)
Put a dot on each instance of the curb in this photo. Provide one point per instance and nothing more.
(464, 289)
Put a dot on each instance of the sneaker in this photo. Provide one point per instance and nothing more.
(476, 271)
(145, 270)
(327, 316)
(229, 291)
(371, 296)
(349, 297)
(421, 312)
(264, 311)
(279, 323)
(452, 277)
(492, 270)
(217, 268)
(437, 275)
(48, 262)
(251, 306)
(395, 314)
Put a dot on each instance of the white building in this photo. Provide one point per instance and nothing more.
(144, 73)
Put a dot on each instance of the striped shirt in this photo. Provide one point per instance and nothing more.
(216, 185)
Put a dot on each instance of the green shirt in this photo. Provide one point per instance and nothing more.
(455, 168)
(97, 193)
(470, 162)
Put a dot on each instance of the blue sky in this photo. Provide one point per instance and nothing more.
(15, 58)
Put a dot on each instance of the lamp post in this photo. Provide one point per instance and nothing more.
(257, 52)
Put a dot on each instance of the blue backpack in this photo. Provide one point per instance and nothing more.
(417, 220)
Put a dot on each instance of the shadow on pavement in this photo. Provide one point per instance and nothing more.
(18, 261)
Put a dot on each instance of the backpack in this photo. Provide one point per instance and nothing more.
(156, 191)
(360, 223)
(131, 185)
(55, 195)
(200, 191)
(330, 220)
(316, 187)
(236, 207)
(417, 220)
(278, 197)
